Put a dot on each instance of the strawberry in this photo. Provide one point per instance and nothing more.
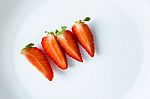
(84, 35)
(38, 60)
(54, 51)
(68, 42)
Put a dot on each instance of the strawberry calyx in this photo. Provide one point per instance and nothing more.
(30, 45)
(86, 19)
(62, 29)
(49, 32)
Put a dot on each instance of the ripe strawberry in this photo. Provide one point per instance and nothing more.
(68, 42)
(84, 35)
(38, 59)
(54, 51)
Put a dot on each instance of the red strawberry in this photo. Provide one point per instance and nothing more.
(69, 44)
(54, 51)
(84, 35)
(38, 59)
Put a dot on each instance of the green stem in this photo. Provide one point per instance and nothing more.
(62, 29)
(30, 45)
(49, 32)
(86, 19)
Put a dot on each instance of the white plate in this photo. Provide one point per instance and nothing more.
(119, 70)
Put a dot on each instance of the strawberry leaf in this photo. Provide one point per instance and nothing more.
(49, 32)
(56, 31)
(27, 46)
(64, 28)
(87, 19)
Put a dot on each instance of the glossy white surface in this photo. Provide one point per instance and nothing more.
(119, 70)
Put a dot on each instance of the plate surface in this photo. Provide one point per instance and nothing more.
(115, 71)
